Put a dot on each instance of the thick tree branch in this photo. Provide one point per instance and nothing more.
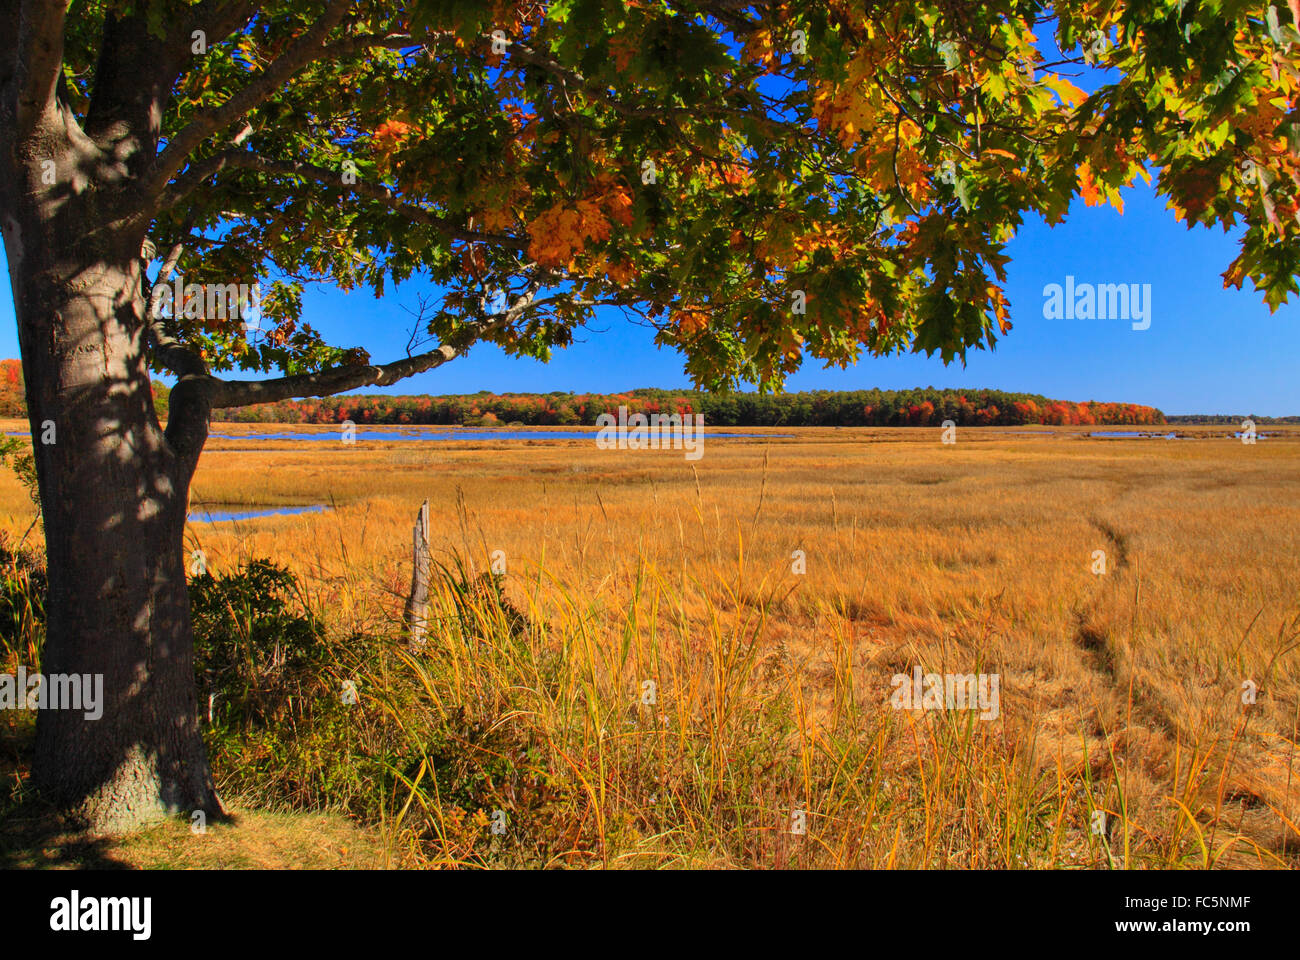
(136, 72)
(170, 352)
(303, 51)
(174, 355)
(218, 19)
(169, 265)
(155, 66)
(11, 12)
(238, 393)
(39, 62)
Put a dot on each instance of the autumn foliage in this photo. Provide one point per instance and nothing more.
(763, 184)
(11, 389)
(850, 408)
(844, 408)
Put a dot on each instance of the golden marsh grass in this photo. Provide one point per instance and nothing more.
(1120, 693)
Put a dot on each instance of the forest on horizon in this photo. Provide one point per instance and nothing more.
(918, 407)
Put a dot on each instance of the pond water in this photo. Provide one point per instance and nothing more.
(1132, 435)
(219, 515)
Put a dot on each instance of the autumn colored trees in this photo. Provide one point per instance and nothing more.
(12, 399)
(845, 408)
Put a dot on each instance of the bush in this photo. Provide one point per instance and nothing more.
(256, 646)
(279, 728)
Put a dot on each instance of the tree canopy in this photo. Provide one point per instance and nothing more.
(761, 182)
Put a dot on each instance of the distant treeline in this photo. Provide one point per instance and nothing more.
(1226, 418)
(848, 408)
(12, 397)
(922, 407)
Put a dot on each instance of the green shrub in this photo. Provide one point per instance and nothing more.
(257, 648)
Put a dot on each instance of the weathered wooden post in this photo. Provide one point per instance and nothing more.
(417, 604)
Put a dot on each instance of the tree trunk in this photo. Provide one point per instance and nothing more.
(114, 491)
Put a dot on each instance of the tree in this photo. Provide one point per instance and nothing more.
(11, 389)
(760, 182)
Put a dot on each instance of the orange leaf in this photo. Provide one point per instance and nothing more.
(1088, 186)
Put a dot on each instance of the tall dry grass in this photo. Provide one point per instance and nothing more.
(1120, 693)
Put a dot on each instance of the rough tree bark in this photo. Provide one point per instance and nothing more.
(114, 490)
(77, 200)
(113, 486)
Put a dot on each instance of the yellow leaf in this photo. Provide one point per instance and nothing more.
(1069, 94)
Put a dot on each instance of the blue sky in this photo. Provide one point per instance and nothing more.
(1208, 350)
